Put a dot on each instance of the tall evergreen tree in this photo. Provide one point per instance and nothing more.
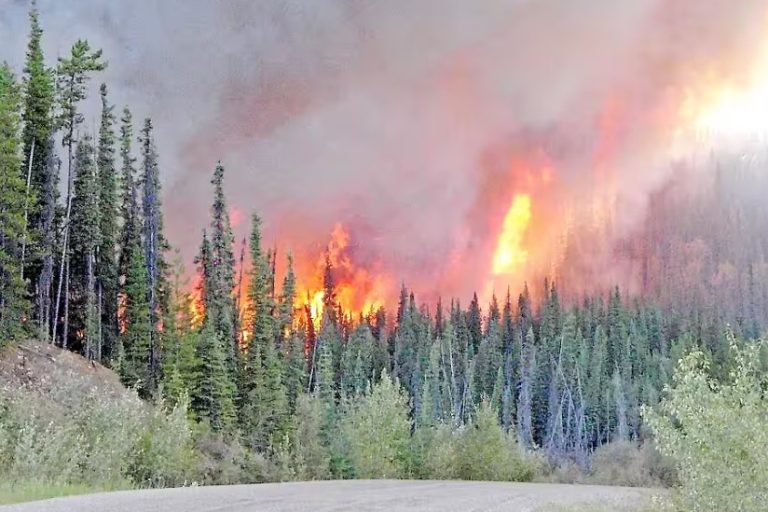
(106, 257)
(129, 202)
(134, 350)
(220, 301)
(85, 239)
(38, 154)
(72, 74)
(13, 305)
(155, 246)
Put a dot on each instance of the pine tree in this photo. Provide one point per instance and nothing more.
(13, 305)
(38, 155)
(85, 239)
(72, 77)
(287, 299)
(221, 305)
(129, 203)
(106, 262)
(213, 391)
(155, 247)
(135, 340)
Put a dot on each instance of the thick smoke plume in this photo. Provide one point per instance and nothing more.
(411, 123)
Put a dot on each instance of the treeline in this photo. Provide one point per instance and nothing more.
(90, 271)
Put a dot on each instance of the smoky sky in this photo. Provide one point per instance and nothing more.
(395, 118)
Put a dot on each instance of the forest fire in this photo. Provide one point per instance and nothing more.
(358, 291)
(510, 252)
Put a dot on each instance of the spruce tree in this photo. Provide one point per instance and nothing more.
(155, 246)
(213, 390)
(85, 239)
(129, 203)
(13, 305)
(220, 301)
(72, 77)
(135, 340)
(106, 262)
(39, 166)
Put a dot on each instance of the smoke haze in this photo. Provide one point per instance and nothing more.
(411, 123)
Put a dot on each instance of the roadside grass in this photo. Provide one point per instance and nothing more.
(33, 491)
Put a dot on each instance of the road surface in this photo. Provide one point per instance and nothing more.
(345, 496)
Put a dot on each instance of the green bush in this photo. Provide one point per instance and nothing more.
(377, 431)
(626, 464)
(102, 441)
(479, 451)
(716, 432)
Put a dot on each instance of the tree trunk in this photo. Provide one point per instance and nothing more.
(26, 207)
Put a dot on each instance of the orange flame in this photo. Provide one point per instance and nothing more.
(510, 254)
(358, 290)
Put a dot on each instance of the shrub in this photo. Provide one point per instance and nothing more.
(716, 433)
(479, 451)
(624, 463)
(377, 432)
(97, 440)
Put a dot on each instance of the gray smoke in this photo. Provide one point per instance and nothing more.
(396, 118)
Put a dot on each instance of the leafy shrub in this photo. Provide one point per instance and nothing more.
(479, 451)
(624, 463)
(96, 440)
(378, 430)
(716, 432)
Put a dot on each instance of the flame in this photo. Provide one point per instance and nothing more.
(510, 254)
(358, 290)
(729, 106)
(195, 306)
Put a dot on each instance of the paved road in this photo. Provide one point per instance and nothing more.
(344, 496)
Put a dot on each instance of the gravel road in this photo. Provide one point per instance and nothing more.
(346, 496)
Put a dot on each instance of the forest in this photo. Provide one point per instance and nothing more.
(537, 380)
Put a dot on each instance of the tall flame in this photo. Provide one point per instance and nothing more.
(358, 289)
(510, 254)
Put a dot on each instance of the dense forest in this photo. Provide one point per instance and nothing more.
(85, 264)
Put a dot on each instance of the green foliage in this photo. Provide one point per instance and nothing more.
(72, 75)
(213, 391)
(106, 264)
(95, 440)
(479, 451)
(715, 431)
(12, 201)
(135, 339)
(377, 430)
(311, 458)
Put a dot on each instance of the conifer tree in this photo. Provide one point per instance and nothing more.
(213, 391)
(85, 238)
(287, 299)
(220, 301)
(129, 202)
(135, 340)
(106, 262)
(38, 155)
(72, 73)
(155, 246)
(13, 305)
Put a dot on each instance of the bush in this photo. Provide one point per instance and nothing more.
(479, 451)
(377, 431)
(715, 431)
(624, 463)
(100, 441)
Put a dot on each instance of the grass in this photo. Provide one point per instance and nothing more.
(32, 491)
